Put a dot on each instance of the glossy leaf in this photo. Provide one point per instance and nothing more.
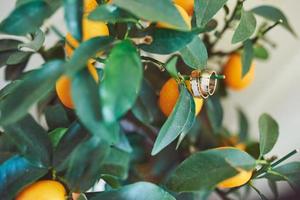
(268, 133)
(243, 126)
(171, 66)
(116, 164)
(247, 57)
(18, 57)
(167, 41)
(195, 54)
(85, 51)
(261, 52)
(26, 18)
(73, 17)
(14, 72)
(9, 44)
(15, 174)
(36, 43)
(71, 139)
(246, 27)
(31, 140)
(122, 81)
(33, 88)
(198, 172)
(56, 117)
(87, 106)
(56, 135)
(205, 10)
(274, 14)
(4, 56)
(83, 172)
(179, 122)
(214, 112)
(111, 14)
(139, 190)
(155, 11)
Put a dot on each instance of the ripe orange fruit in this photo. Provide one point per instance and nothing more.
(63, 87)
(90, 30)
(240, 179)
(233, 73)
(187, 5)
(89, 5)
(184, 15)
(43, 190)
(168, 97)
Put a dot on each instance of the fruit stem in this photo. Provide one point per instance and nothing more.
(255, 189)
(160, 65)
(284, 158)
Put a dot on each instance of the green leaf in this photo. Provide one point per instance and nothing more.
(87, 106)
(122, 81)
(145, 108)
(56, 117)
(4, 56)
(26, 18)
(166, 41)
(274, 14)
(33, 88)
(54, 4)
(31, 140)
(261, 52)
(85, 51)
(15, 174)
(214, 112)
(14, 72)
(9, 88)
(18, 57)
(139, 190)
(243, 127)
(85, 163)
(71, 139)
(124, 144)
(198, 172)
(36, 43)
(7, 148)
(247, 57)
(288, 172)
(73, 17)
(9, 44)
(268, 133)
(205, 10)
(195, 54)
(246, 27)
(155, 11)
(56, 135)
(116, 164)
(179, 122)
(111, 14)
(171, 66)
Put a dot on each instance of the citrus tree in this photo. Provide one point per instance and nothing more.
(108, 108)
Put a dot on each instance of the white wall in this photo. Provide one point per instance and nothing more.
(276, 86)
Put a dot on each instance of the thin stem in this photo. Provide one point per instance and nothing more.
(222, 194)
(57, 32)
(256, 190)
(285, 158)
(253, 40)
(161, 65)
(227, 23)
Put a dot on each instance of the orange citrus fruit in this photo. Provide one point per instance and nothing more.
(187, 5)
(90, 30)
(184, 15)
(89, 5)
(233, 72)
(43, 190)
(64, 84)
(240, 179)
(168, 97)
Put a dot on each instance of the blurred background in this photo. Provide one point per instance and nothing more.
(275, 89)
